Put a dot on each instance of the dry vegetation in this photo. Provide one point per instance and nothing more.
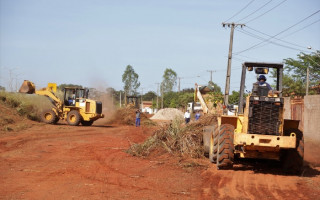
(176, 138)
(127, 116)
(28, 106)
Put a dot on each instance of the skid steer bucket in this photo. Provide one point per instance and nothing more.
(27, 87)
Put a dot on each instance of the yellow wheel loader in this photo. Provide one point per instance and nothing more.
(75, 107)
(258, 130)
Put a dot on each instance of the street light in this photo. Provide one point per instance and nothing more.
(307, 86)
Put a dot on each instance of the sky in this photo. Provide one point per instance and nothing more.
(90, 43)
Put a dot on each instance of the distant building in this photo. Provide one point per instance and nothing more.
(146, 107)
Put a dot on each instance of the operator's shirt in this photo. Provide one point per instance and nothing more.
(265, 84)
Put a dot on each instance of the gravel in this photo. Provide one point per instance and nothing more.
(168, 114)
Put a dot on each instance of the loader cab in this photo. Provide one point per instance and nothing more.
(260, 92)
(73, 95)
(263, 107)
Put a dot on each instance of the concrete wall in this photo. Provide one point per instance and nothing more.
(311, 129)
(311, 116)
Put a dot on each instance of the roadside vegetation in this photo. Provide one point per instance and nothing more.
(28, 106)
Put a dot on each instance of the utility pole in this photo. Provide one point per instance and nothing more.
(179, 83)
(161, 95)
(158, 95)
(211, 71)
(227, 88)
(120, 98)
(307, 88)
(141, 99)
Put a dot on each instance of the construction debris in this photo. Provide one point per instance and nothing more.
(127, 116)
(176, 138)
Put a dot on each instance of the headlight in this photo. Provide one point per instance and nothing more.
(277, 99)
(256, 98)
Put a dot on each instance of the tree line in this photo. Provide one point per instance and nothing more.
(294, 84)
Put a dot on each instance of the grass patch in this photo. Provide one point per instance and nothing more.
(26, 105)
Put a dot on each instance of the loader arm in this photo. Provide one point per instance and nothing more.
(52, 97)
(29, 88)
(201, 100)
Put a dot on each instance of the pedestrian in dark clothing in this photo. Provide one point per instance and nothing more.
(197, 115)
(137, 118)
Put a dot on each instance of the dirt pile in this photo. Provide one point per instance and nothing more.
(168, 114)
(177, 138)
(10, 119)
(127, 116)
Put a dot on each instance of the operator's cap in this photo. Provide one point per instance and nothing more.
(262, 77)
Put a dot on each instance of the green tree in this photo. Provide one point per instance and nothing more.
(149, 96)
(130, 80)
(188, 90)
(217, 88)
(64, 85)
(169, 80)
(299, 66)
(295, 74)
(234, 97)
(2, 88)
(185, 98)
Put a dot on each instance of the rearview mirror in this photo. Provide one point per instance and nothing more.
(261, 70)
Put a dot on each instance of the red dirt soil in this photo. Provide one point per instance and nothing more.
(66, 162)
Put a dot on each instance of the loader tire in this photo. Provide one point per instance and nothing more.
(207, 132)
(292, 162)
(214, 145)
(49, 117)
(225, 152)
(73, 118)
(86, 123)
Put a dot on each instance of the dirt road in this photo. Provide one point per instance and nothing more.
(64, 162)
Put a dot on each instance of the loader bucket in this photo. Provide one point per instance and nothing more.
(27, 87)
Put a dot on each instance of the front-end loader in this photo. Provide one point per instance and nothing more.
(75, 107)
(258, 130)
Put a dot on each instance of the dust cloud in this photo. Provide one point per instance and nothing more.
(98, 91)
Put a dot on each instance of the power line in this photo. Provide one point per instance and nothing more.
(277, 38)
(256, 10)
(248, 58)
(265, 12)
(277, 33)
(240, 10)
(272, 42)
(300, 29)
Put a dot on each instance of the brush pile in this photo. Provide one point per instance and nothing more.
(127, 116)
(176, 138)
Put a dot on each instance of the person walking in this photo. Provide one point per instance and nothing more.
(137, 118)
(197, 116)
(187, 116)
